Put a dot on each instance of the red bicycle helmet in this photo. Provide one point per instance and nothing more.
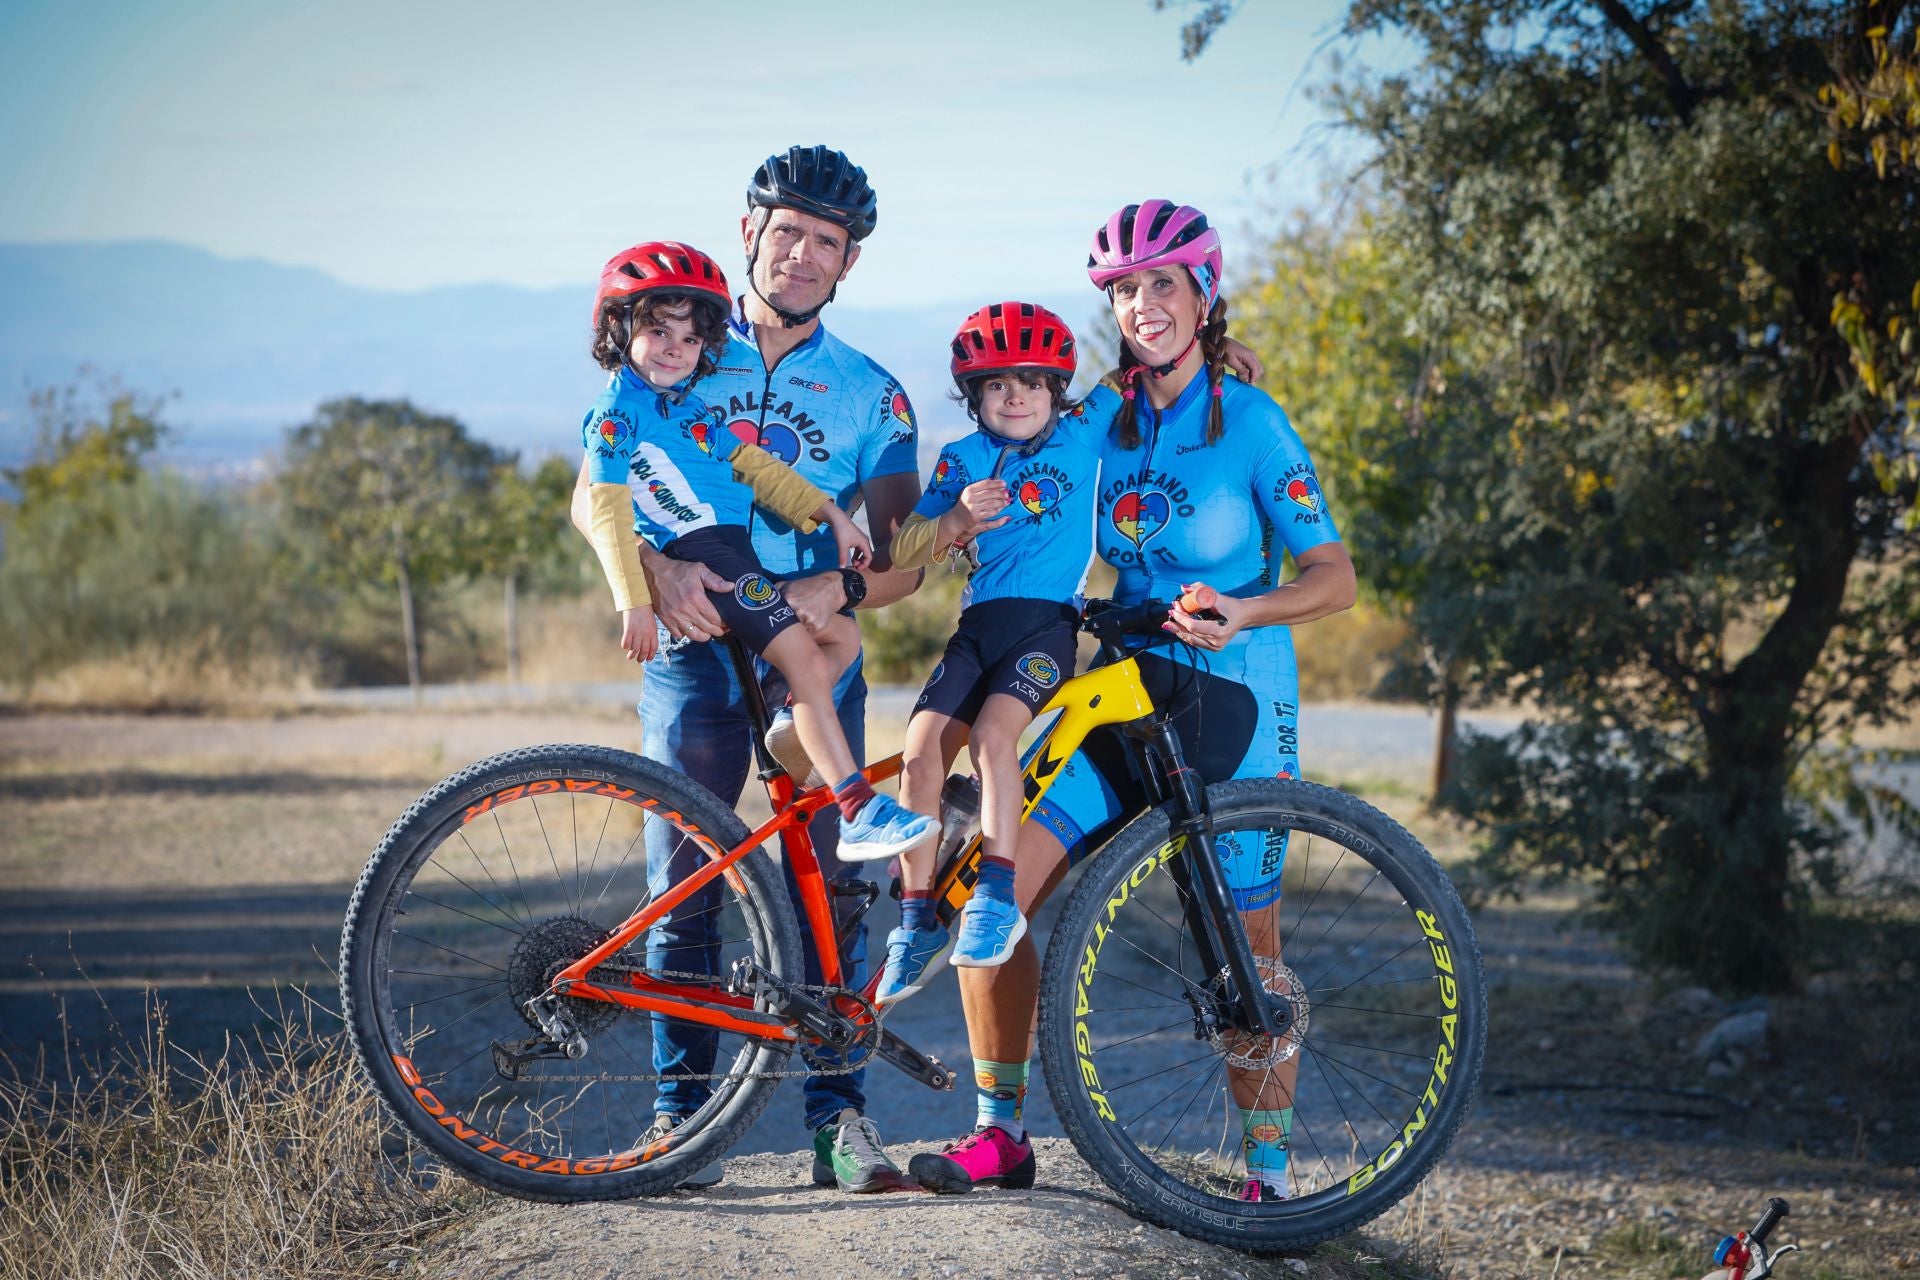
(1010, 337)
(661, 266)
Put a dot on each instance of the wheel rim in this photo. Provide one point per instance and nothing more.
(525, 880)
(1379, 1024)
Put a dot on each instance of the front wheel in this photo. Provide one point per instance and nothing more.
(1370, 952)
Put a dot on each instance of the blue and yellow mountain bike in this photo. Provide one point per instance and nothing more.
(498, 983)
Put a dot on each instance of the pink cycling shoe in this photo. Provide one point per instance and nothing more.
(988, 1157)
(1258, 1192)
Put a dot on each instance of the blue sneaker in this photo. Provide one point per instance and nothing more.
(910, 952)
(989, 927)
(882, 829)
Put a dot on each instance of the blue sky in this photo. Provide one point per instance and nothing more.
(403, 145)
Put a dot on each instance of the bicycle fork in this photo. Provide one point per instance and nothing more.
(1218, 934)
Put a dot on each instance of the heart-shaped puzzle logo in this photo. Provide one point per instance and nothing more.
(1040, 495)
(1305, 492)
(777, 438)
(1139, 515)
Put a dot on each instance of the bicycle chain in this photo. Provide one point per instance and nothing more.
(680, 975)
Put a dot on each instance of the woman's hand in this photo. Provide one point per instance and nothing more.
(974, 514)
(1201, 634)
(856, 549)
(639, 637)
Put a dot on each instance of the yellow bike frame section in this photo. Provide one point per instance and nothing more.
(1113, 694)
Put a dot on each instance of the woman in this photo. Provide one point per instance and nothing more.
(1202, 479)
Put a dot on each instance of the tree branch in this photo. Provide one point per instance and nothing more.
(1679, 92)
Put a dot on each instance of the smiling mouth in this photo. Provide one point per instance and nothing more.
(1151, 329)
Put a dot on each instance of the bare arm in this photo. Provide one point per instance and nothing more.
(1325, 585)
(889, 501)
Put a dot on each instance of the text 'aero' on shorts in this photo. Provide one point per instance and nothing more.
(756, 609)
(1023, 648)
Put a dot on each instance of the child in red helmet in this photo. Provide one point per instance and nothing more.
(1014, 502)
(661, 464)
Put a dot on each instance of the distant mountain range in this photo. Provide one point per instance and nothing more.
(251, 347)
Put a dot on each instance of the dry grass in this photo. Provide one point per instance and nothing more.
(267, 1161)
(153, 677)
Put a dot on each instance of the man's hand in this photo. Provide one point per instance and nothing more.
(1245, 365)
(680, 596)
(816, 599)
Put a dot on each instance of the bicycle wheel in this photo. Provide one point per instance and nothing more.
(1380, 967)
(484, 889)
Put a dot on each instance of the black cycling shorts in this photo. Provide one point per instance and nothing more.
(756, 610)
(1024, 648)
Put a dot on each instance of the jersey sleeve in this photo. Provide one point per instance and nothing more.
(608, 436)
(917, 544)
(610, 530)
(1286, 486)
(778, 487)
(889, 443)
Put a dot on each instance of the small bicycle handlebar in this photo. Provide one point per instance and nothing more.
(1776, 1210)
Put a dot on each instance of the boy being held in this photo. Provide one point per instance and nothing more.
(661, 464)
(1015, 499)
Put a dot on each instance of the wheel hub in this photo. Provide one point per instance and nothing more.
(1287, 997)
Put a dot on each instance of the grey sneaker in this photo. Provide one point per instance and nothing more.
(783, 744)
(700, 1179)
(848, 1152)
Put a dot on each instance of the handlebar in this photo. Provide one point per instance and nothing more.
(1110, 620)
(1776, 1209)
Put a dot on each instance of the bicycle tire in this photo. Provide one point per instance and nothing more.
(1377, 942)
(429, 900)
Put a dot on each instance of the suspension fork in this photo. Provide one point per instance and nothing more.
(1219, 937)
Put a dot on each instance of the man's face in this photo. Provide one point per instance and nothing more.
(801, 258)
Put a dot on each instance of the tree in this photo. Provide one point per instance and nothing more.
(1669, 497)
(526, 528)
(76, 451)
(393, 494)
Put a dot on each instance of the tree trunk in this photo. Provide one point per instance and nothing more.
(1446, 738)
(412, 631)
(513, 628)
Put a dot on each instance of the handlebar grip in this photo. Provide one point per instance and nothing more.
(1776, 1210)
(1201, 597)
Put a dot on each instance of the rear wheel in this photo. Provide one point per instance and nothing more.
(493, 882)
(1368, 951)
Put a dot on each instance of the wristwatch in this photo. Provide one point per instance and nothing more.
(854, 583)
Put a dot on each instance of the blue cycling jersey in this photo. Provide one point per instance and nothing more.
(674, 456)
(825, 410)
(1177, 510)
(1042, 551)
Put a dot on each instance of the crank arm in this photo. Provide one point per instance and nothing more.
(925, 1068)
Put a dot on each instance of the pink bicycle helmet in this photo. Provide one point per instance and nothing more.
(1157, 233)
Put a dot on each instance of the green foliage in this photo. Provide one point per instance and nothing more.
(102, 557)
(525, 532)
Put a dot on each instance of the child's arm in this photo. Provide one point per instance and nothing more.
(610, 530)
(779, 488)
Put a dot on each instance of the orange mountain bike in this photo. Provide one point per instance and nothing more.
(495, 975)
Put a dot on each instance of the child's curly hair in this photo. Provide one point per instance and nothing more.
(620, 317)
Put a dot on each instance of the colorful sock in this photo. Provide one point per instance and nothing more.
(916, 909)
(996, 879)
(1002, 1090)
(1264, 1138)
(852, 792)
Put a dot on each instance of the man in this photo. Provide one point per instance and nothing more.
(844, 423)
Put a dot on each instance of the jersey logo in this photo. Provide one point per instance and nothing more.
(777, 438)
(613, 429)
(1140, 515)
(949, 469)
(1305, 492)
(1039, 496)
(897, 406)
(702, 433)
(754, 591)
(1040, 669)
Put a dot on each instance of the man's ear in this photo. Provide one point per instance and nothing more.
(853, 256)
(746, 234)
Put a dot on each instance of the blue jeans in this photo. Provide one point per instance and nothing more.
(695, 720)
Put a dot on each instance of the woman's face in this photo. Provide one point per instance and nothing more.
(1159, 312)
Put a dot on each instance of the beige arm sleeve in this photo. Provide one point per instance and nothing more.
(778, 487)
(611, 532)
(917, 544)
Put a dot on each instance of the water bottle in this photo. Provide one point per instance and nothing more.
(959, 816)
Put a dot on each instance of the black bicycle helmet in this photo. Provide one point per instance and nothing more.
(819, 181)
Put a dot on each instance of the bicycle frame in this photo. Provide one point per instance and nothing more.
(1112, 694)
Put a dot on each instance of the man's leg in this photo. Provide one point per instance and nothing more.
(693, 721)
